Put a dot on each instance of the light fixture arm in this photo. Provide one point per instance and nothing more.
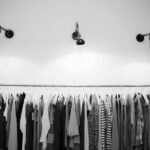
(77, 27)
(2, 28)
(77, 30)
(147, 34)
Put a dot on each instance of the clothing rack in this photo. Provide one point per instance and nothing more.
(77, 86)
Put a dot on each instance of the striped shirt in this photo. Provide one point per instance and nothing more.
(108, 110)
(103, 124)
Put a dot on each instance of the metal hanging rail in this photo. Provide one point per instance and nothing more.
(78, 86)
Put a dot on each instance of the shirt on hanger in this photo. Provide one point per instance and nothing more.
(13, 140)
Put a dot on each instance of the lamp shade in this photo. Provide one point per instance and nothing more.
(76, 35)
(80, 42)
(9, 33)
(140, 38)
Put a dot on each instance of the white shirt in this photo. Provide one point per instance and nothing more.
(23, 124)
(45, 125)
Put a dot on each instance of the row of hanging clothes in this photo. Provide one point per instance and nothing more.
(74, 122)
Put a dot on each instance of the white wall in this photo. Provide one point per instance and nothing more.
(43, 52)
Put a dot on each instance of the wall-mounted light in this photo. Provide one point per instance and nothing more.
(77, 36)
(140, 37)
(8, 33)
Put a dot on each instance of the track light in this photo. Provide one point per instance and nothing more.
(8, 33)
(77, 36)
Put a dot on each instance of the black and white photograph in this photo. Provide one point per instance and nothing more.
(74, 74)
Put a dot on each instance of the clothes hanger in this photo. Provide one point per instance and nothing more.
(144, 94)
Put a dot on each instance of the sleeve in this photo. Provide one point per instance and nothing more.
(73, 125)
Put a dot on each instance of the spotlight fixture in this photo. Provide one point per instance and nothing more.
(8, 33)
(77, 36)
(140, 37)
